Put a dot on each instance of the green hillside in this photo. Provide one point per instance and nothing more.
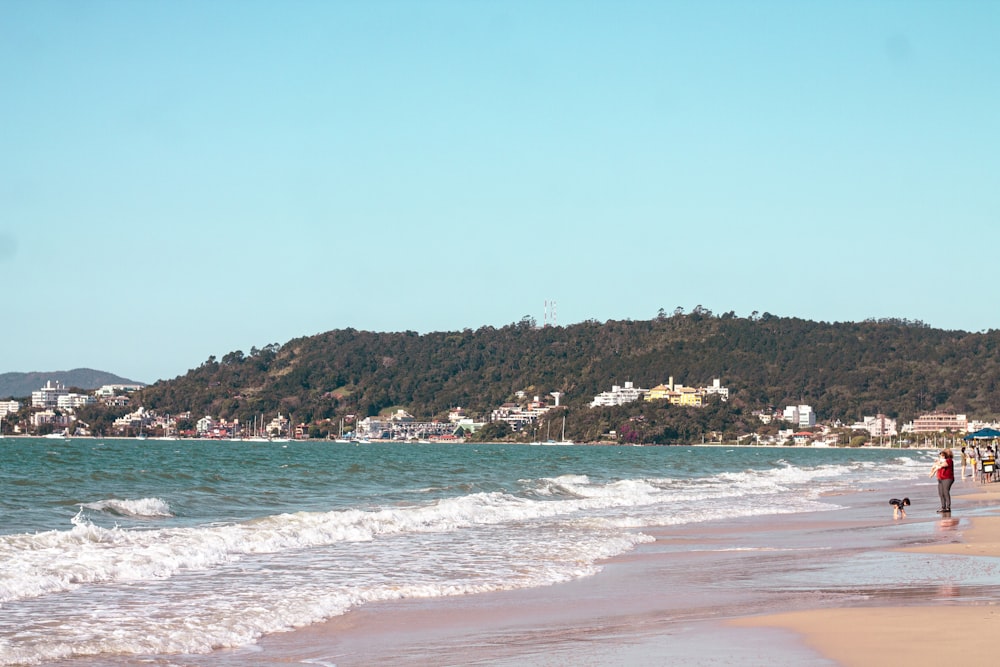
(844, 370)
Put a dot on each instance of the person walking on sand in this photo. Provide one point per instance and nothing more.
(965, 461)
(944, 469)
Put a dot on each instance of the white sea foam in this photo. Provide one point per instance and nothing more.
(143, 508)
(52, 561)
(247, 602)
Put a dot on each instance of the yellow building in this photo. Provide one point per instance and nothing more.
(687, 396)
(676, 394)
(658, 393)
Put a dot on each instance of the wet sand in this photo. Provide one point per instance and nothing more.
(851, 586)
(957, 621)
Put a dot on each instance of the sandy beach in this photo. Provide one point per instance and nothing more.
(847, 587)
(915, 634)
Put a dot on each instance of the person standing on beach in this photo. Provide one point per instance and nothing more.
(965, 461)
(944, 469)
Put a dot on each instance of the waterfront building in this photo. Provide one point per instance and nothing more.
(204, 425)
(49, 416)
(9, 407)
(402, 426)
(938, 422)
(516, 416)
(280, 425)
(468, 425)
(802, 438)
(134, 420)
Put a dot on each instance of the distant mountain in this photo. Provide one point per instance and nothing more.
(20, 385)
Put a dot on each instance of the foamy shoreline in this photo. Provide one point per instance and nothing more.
(744, 591)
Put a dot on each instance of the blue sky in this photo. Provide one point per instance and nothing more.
(185, 179)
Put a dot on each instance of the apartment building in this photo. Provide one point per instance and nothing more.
(617, 396)
(800, 415)
(938, 422)
(48, 396)
(74, 401)
(678, 394)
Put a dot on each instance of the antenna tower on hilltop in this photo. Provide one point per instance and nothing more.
(550, 314)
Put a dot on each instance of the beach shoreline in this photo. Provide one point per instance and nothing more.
(754, 590)
(916, 634)
(694, 541)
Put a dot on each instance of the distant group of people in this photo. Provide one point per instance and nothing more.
(981, 459)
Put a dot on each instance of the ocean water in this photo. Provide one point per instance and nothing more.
(126, 549)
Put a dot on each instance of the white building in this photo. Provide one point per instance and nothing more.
(518, 417)
(49, 417)
(74, 401)
(972, 425)
(766, 417)
(9, 407)
(135, 419)
(204, 425)
(112, 389)
(717, 389)
(878, 426)
(800, 415)
(617, 396)
(48, 396)
(116, 401)
(278, 425)
(402, 426)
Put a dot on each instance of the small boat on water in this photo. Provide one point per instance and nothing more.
(564, 441)
(340, 438)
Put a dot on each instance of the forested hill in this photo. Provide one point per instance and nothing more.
(844, 370)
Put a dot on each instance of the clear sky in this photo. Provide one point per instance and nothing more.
(180, 179)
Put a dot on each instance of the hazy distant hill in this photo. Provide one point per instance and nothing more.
(20, 385)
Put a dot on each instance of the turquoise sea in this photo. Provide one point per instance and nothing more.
(122, 550)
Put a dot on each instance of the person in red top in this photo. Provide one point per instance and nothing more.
(944, 468)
